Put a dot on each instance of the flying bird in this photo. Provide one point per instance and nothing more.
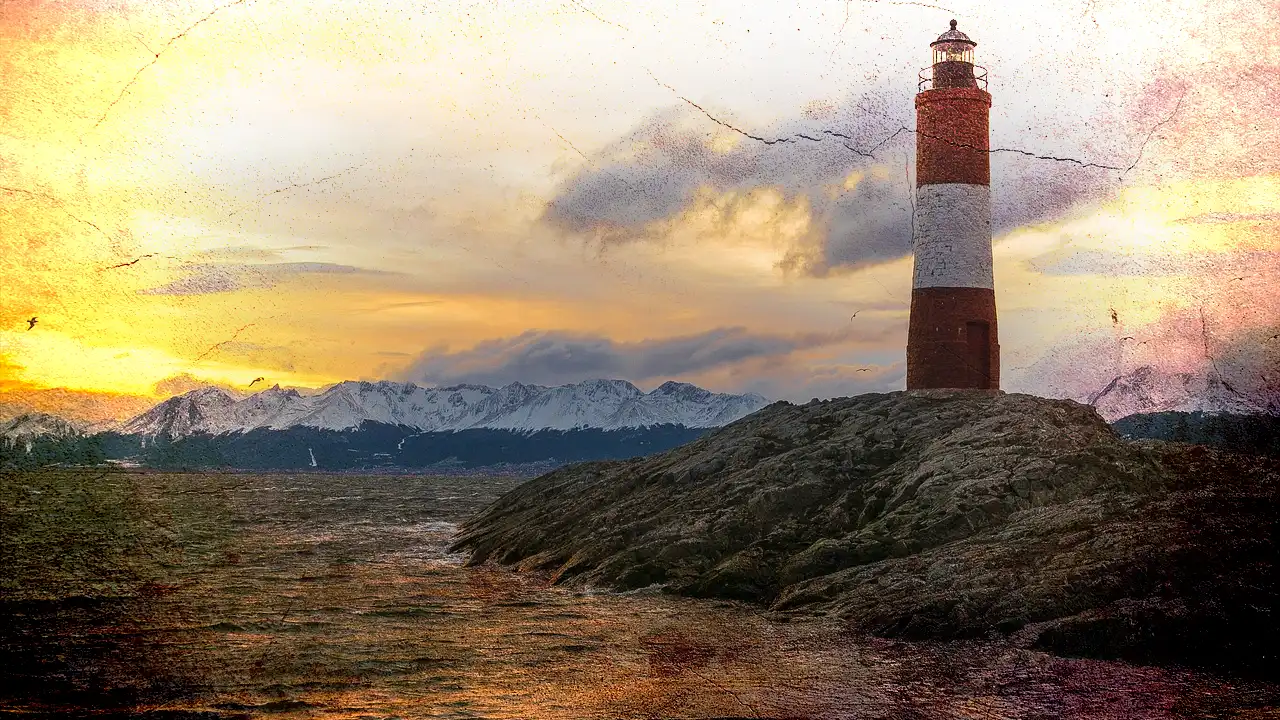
(31, 323)
(257, 379)
(1126, 337)
(851, 317)
(1115, 319)
(864, 369)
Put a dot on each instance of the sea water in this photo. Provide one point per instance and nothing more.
(133, 593)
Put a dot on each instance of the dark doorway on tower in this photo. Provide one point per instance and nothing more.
(978, 353)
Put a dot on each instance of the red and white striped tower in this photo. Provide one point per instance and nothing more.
(951, 340)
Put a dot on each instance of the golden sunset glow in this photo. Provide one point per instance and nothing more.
(313, 192)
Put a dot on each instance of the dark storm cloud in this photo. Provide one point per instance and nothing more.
(652, 174)
(1025, 190)
(870, 223)
(553, 358)
(205, 279)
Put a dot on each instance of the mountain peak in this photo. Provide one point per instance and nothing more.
(673, 387)
(609, 385)
(1147, 389)
(277, 390)
(209, 392)
(182, 414)
(37, 424)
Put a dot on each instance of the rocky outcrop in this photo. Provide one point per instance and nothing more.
(927, 515)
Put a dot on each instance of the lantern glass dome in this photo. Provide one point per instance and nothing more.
(952, 52)
(953, 46)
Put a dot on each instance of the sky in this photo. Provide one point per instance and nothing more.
(202, 193)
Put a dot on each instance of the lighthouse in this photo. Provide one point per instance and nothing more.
(951, 337)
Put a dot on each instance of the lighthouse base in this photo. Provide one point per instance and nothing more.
(951, 339)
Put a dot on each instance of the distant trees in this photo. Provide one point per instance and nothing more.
(24, 453)
(1254, 434)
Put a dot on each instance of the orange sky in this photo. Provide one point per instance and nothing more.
(440, 192)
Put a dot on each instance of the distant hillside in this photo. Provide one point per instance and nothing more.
(1257, 434)
(37, 439)
(376, 446)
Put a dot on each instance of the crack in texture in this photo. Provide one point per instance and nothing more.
(296, 186)
(909, 3)
(565, 140)
(717, 120)
(1177, 106)
(58, 204)
(215, 346)
(124, 90)
(134, 261)
(1208, 355)
(903, 128)
(593, 14)
(840, 32)
(911, 196)
(755, 713)
(1213, 362)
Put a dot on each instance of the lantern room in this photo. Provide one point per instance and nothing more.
(953, 63)
(953, 46)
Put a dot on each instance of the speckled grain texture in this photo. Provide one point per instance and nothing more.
(245, 193)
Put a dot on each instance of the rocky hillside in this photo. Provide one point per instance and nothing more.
(928, 515)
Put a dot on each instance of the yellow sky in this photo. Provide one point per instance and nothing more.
(311, 192)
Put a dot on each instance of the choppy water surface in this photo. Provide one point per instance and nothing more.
(333, 596)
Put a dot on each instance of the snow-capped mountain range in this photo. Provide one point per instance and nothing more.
(599, 404)
(603, 404)
(37, 425)
(1148, 390)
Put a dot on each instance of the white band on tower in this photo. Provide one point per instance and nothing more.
(952, 242)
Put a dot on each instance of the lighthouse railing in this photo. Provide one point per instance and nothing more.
(926, 78)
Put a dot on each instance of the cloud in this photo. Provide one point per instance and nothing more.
(206, 279)
(238, 253)
(80, 406)
(1226, 218)
(255, 355)
(654, 173)
(182, 383)
(1115, 264)
(867, 224)
(554, 358)
(799, 379)
(860, 206)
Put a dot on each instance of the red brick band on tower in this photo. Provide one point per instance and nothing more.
(952, 144)
(952, 340)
